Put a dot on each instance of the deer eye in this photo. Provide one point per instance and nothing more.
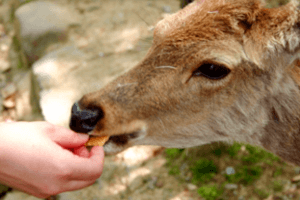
(212, 71)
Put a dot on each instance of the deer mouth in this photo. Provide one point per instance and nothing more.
(121, 136)
(121, 139)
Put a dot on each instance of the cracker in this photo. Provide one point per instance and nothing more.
(97, 141)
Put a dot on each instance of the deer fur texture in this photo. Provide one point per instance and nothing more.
(162, 102)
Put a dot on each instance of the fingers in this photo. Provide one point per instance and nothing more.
(63, 136)
(76, 185)
(81, 151)
(88, 168)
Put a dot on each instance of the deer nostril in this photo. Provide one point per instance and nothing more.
(84, 120)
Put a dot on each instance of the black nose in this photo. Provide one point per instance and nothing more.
(84, 120)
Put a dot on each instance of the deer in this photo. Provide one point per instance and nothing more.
(217, 71)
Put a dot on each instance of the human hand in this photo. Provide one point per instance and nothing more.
(36, 157)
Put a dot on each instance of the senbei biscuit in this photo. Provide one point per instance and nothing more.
(97, 141)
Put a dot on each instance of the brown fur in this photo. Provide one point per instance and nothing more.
(257, 102)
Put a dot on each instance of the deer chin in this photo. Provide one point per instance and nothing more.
(121, 137)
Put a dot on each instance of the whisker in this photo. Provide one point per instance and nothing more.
(126, 84)
(165, 67)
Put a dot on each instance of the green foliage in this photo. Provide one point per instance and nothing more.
(173, 153)
(218, 152)
(209, 192)
(257, 154)
(249, 165)
(203, 170)
(245, 175)
(234, 149)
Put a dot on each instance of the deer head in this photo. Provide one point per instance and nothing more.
(218, 70)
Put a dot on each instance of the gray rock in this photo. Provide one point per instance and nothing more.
(24, 105)
(4, 65)
(136, 183)
(9, 102)
(8, 90)
(15, 194)
(229, 170)
(2, 80)
(41, 24)
(191, 186)
(297, 170)
(167, 9)
(231, 186)
(241, 198)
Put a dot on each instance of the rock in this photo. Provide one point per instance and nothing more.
(56, 85)
(8, 90)
(25, 105)
(241, 198)
(19, 195)
(167, 9)
(2, 80)
(159, 184)
(229, 170)
(191, 186)
(136, 183)
(10, 102)
(296, 178)
(52, 69)
(231, 186)
(297, 170)
(41, 24)
(4, 65)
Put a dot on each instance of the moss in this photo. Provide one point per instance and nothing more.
(203, 170)
(234, 149)
(218, 152)
(257, 154)
(245, 175)
(171, 156)
(173, 153)
(210, 192)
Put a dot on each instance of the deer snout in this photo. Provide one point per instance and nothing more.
(84, 120)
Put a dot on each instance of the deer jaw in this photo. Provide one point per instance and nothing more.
(165, 101)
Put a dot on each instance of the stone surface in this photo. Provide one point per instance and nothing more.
(230, 170)
(17, 195)
(42, 23)
(8, 90)
(24, 104)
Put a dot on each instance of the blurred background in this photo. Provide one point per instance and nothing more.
(52, 52)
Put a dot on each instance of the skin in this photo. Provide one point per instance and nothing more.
(42, 159)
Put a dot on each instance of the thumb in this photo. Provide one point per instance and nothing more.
(65, 137)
